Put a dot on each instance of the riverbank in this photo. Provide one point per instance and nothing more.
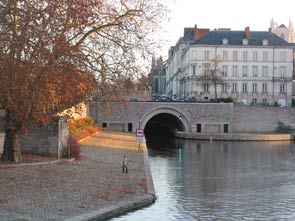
(93, 187)
(235, 136)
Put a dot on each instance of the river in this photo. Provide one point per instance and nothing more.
(203, 180)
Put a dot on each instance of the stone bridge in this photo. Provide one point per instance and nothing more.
(190, 117)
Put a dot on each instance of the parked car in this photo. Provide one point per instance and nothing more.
(161, 98)
(134, 99)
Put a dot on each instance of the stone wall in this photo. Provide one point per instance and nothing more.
(117, 116)
(78, 111)
(47, 140)
(212, 118)
(234, 136)
(261, 119)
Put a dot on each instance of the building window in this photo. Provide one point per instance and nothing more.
(225, 41)
(206, 69)
(244, 88)
(264, 101)
(282, 88)
(255, 71)
(224, 55)
(254, 55)
(265, 56)
(283, 56)
(254, 100)
(194, 69)
(245, 71)
(199, 128)
(245, 56)
(234, 87)
(264, 88)
(156, 85)
(265, 71)
(282, 72)
(235, 55)
(254, 88)
(224, 73)
(235, 71)
(129, 127)
(265, 42)
(206, 55)
(206, 87)
(224, 87)
(245, 41)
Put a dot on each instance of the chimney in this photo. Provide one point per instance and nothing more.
(247, 32)
(269, 31)
(200, 32)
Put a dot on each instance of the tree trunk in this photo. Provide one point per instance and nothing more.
(11, 148)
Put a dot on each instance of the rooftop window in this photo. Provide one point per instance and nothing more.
(245, 41)
(225, 41)
(265, 42)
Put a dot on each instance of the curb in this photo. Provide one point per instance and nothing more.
(125, 205)
(36, 164)
(79, 141)
(148, 174)
(116, 209)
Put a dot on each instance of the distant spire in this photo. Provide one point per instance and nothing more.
(272, 23)
(153, 62)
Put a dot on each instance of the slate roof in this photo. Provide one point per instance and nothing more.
(236, 38)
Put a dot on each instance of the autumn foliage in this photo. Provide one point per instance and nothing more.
(55, 53)
(82, 128)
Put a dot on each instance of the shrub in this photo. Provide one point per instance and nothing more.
(82, 128)
(73, 149)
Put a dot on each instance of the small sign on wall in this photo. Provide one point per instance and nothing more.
(139, 135)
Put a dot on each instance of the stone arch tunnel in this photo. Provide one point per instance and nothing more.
(164, 124)
(164, 121)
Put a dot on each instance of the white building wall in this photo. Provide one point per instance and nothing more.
(268, 58)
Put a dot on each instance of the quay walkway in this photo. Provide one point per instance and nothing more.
(91, 188)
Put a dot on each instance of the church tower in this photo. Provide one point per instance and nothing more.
(286, 33)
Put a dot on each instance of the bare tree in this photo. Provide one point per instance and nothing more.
(213, 74)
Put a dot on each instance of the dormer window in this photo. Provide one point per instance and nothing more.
(245, 41)
(225, 41)
(265, 42)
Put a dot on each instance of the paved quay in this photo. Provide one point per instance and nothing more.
(91, 188)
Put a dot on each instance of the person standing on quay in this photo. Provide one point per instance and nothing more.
(124, 166)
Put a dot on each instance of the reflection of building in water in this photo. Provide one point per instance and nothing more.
(287, 33)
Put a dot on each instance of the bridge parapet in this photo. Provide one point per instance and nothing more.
(127, 116)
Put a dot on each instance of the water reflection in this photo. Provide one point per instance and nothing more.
(203, 180)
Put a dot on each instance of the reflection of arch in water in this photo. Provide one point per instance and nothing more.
(176, 113)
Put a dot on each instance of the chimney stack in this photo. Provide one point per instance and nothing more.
(200, 32)
(247, 32)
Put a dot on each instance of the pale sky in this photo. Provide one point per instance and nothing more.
(234, 14)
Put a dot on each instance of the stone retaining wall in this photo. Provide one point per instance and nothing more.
(47, 140)
(261, 119)
(210, 117)
(234, 136)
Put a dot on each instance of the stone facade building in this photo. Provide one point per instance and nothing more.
(249, 66)
(286, 33)
(158, 76)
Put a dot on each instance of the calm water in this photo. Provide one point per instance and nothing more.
(199, 180)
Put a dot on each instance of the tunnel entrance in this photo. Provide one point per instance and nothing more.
(163, 125)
